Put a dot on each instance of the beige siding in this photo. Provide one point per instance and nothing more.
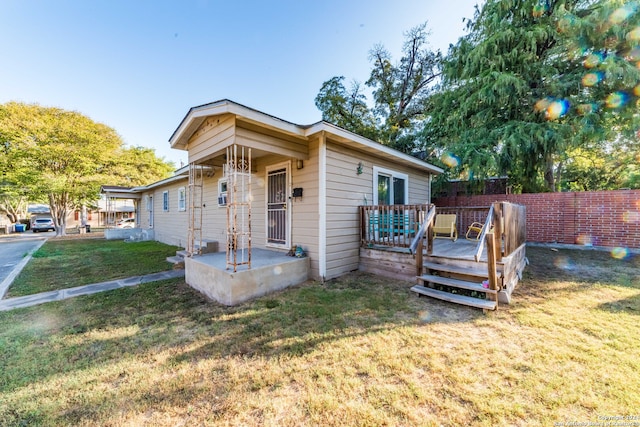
(276, 145)
(212, 137)
(169, 227)
(305, 226)
(346, 190)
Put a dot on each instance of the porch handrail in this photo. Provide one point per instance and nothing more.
(481, 238)
(423, 229)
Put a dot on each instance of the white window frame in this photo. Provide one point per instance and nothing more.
(165, 201)
(182, 199)
(392, 174)
(222, 192)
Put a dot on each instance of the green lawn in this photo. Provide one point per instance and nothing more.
(60, 264)
(356, 351)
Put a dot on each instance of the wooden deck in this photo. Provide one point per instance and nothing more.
(481, 273)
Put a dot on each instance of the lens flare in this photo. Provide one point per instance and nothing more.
(619, 253)
(631, 216)
(636, 90)
(565, 23)
(540, 9)
(563, 263)
(634, 35)
(591, 79)
(557, 109)
(424, 316)
(450, 160)
(543, 104)
(616, 99)
(593, 60)
(584, 239)
(584, 109)
(634, 54)
(621, 14)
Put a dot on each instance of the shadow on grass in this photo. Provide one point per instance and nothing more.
(582, 266)
(90, 331)
(629, 305)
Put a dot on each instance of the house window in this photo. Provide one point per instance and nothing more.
(389, 187)
(149, 203)
(222, 192)
(182, 199)
(165, 201)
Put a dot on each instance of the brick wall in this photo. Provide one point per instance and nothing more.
(598, 218)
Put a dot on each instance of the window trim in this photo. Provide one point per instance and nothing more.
(165, 201)
(182, 199)
(392, 174)
(223, 195)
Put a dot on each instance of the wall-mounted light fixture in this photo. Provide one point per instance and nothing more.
(359, 169)
(299, 164)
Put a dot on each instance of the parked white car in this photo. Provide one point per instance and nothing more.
(126, 223)
(42, 224)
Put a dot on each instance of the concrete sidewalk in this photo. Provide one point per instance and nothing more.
(29, 300)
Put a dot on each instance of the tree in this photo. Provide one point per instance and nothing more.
(399, 93)
(63, 157)
(347, 108)
(516, 97)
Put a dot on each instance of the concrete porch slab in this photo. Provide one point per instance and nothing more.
(270, 271)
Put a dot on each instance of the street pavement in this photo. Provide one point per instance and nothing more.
(15, 252)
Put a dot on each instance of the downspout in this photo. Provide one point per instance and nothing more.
(322, 207)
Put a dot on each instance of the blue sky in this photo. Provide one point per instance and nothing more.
(139, 65)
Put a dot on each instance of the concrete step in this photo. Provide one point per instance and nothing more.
(175, 260)
(455, 298)
(183, 253)
(207, 246)
(455, 283)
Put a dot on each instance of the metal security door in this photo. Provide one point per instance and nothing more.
(277, 201)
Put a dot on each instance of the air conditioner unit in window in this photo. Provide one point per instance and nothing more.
(222, 200)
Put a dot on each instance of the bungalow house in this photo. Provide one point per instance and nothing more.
(259, 183)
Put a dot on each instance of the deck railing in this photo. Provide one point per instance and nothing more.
(391, 225)
(397, 225)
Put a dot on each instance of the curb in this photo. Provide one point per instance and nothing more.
(62, 294)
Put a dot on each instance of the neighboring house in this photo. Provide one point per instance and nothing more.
(104, 213)
(306, 184)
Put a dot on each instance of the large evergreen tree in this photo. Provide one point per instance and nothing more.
(532, 81)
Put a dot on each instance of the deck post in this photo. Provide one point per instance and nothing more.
(419, 258)
(498, 229)
(492, 245)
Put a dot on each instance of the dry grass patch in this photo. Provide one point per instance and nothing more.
(356, 351)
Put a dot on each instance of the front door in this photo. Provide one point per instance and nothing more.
(278, 219)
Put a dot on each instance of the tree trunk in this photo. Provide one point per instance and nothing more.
(59, 206)
(548, 173)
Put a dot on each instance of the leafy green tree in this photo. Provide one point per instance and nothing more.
(399, 93)
(347, 108)
(62, 157)
(517, 93)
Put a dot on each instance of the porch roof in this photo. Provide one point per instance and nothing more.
(197, 115)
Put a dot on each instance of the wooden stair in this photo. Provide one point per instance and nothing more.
(456, 277)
